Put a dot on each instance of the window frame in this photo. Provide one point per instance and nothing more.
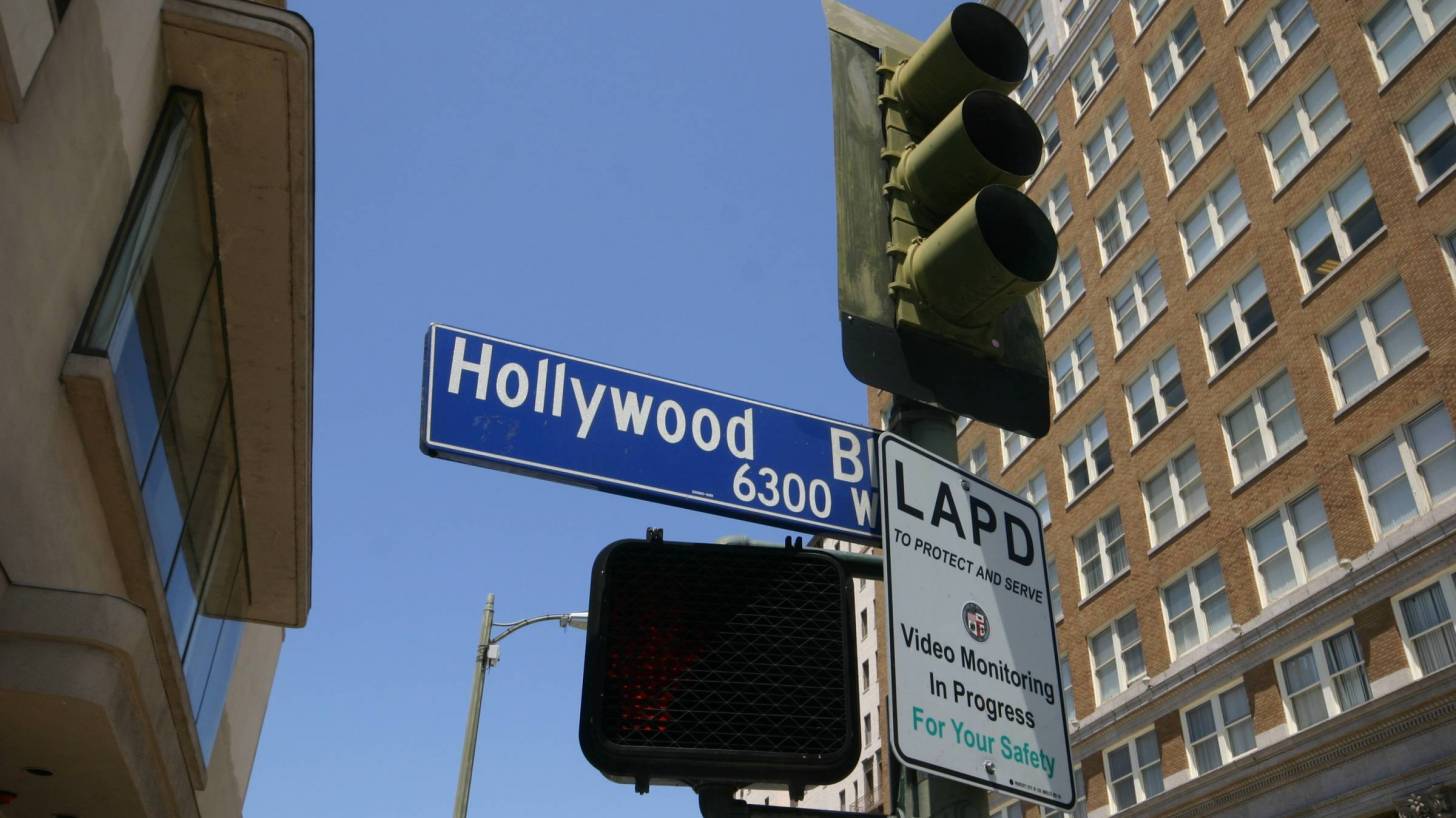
(1220, 732)
(1221, 234)
(1089, 445)
(1196, 607)
(1237, 311)
(1380, 362)
(1426, 31)
(1263, 428)
(1140, 25)
(1410, 470)
(1446, 584)
(1082, 368)
(1187, 125)
(1105, 138)
(1138, 767)
(1335, 222)
(1104, 552)
(1279, 45)
(1140, 291)
(1054, 205)
(1308, 138)
(1118, 656)
(1029, 496)
(1446, 92)
(1007, 457)
(1096, 64)
(1064, 281)
(1119, 206)
(969, 464)
(1053, 143)
(1160, 402)
(1177, 67)
(1299, 562)
(1325, 677)
(1177, 490)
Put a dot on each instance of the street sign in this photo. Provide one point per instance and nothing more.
(975, 689)
(503, 405)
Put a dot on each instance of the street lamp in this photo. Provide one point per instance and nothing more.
(486, 656)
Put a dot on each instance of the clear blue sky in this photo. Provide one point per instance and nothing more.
(648, 184)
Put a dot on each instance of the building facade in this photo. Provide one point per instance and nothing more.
(1249, 487)
(156, 285)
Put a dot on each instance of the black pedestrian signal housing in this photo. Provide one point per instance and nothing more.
(939, 252)
(710, 663)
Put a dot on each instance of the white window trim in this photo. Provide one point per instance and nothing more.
(1384, 369)
(1056, 128)
(1118, 649)
(1164, 412)
(1220, 729)
(1332, 702)
(1083, 438)
(1119, 203)
(1307, 135)
(969, 464)
(1195, 141)
(1417, 482)
(1196, 611)
(1447, 581)
(1138, 766)
(1447, 90)
(1026, 494)
(1241, 327)
(1291, 544)
(1222, 238)
(1175, 486)
(1103, 560)
(1079, 383)
(1346, 251)
(1139, 29)
(1006, 457)
(1272, 452)
(1175, 64)
(1099, 79)
(1425, 27)
(1059, 271)
(1280, 44)
(1049, 204)
(1145, 315)
(1107, 133)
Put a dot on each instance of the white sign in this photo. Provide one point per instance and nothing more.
(975, 690)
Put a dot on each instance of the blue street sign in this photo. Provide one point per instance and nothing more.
(503, 405)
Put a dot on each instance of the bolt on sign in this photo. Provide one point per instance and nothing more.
(975, 686)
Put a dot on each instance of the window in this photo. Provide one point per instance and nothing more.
(864, 624)
(1401, 27)
(1074, 368)
(1155, 393)
(1139, 301)
(1035, 492)
(158, 318)
(1058, 204)
(1286, 27)
(1219, 217)
(864, 668)
(1197, 130)
(1237, 319)
(1412, 470)
(1312, 120)
(1031, 22)
(1062, 288)
(1034, 71)
(1371, 344)
(866, 730)
(1262, 427)
(1341, 223)
(1012, 445)
(1281, 568)
(1051, 134)
(1425, 625)
(976, 460)
(1430, 136)
(1323, 679)
(1073, 12)
(1123, 217)
(1094, 72)
(1107, 143)
(1173, 57)
(1134, 771)
(1174, 496)
(1069, 705)
(1143, 12)
(1196, 606)
(1219, 729)
(1102, 552)
(1087, 457)
(1117, 655)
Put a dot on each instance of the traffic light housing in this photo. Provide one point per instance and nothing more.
(710, 663)
(939, 252)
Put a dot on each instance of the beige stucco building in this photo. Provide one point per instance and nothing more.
(156, 343)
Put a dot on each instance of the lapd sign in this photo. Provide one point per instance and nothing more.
(503, 405)
(975, 693)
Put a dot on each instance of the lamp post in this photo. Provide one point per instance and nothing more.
(487, 654)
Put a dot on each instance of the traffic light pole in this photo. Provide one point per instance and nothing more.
(918, 795)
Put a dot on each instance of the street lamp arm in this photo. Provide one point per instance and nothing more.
(574, 619)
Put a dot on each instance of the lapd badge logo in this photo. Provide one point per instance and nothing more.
(977, 623)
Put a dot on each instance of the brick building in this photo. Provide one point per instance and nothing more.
(1249, 487)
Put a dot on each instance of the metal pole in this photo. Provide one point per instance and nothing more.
(923, 796)
(472, 721)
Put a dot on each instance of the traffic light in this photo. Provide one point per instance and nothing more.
(710, 663)
(939, 253)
